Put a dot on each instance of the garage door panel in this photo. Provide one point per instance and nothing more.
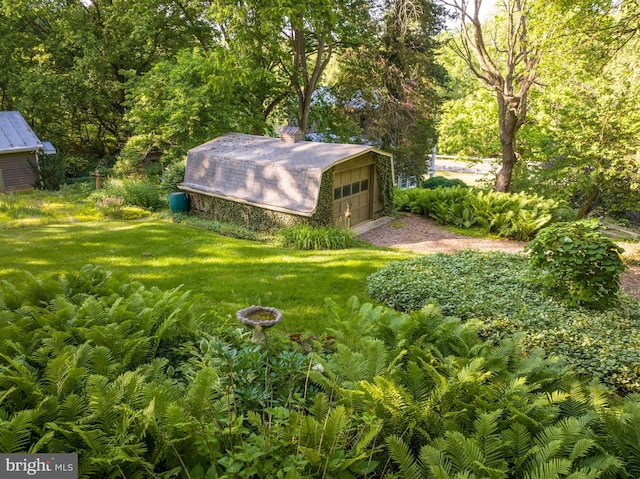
(351, 192)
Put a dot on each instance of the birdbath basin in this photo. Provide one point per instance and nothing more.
(259, 318)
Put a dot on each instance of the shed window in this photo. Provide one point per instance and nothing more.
(346, 190)
(364, 185)
(337, 193)
(355, 188)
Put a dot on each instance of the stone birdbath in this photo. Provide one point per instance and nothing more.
(259, 318)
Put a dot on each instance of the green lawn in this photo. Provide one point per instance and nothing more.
(229, 274)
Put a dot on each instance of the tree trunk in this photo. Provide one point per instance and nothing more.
(588, 203)
(509, 121)
(509, 158)
(305, 109)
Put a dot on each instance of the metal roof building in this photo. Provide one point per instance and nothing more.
(15, 134)
(19, 147)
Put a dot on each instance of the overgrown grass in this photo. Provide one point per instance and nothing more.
(306, 237)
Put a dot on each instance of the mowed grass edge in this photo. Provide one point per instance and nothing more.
(226, 274)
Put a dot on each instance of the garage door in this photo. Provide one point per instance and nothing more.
(352, 192)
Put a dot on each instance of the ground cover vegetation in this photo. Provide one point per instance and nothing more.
(506, 292)
(138, 384)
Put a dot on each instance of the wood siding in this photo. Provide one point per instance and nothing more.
(16, 172)
(353, 191)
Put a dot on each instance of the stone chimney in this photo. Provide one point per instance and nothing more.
(291, 134)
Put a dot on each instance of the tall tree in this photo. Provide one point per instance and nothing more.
(585, 131)
(394, 84)
(79, 55)
(505, 54)
(508, 67)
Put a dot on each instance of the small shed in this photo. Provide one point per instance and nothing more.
(265, 183)
(19, 147)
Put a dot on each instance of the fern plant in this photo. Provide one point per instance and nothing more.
(566, 449)
(512, 215)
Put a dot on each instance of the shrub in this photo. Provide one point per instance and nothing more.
(173, 176)
(49, 171)
(580, 264)
(306, 237)
(143, 193)
(76, 166)
(442, 182)
(493, 287)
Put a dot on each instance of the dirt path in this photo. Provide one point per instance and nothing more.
(423, 235)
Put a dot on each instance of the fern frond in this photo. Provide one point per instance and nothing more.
(487, 437)
(417, 382)
(202, 391)
(15, 434)
(320, 407)
(517, 440)
(581, 448)
(334, 429)
(401, 454)
(553, 468)
(72, 408)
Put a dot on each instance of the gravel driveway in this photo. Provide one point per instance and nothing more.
(423, 235)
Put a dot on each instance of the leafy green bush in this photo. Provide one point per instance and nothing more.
(306, 237)
(494, 288)
(579, 263)
(442, 182)
(143, 193)
(173, 176)
(76, 166)
(511, 215)
(49, 172)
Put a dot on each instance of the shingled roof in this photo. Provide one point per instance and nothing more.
(15, 134)
(265, 172)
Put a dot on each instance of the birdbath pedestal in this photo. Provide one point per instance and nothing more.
(259, 318)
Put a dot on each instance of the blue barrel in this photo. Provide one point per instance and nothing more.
(178, 202)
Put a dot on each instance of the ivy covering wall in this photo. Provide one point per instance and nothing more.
(384, 172)
(261, 219)
(323, 216)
